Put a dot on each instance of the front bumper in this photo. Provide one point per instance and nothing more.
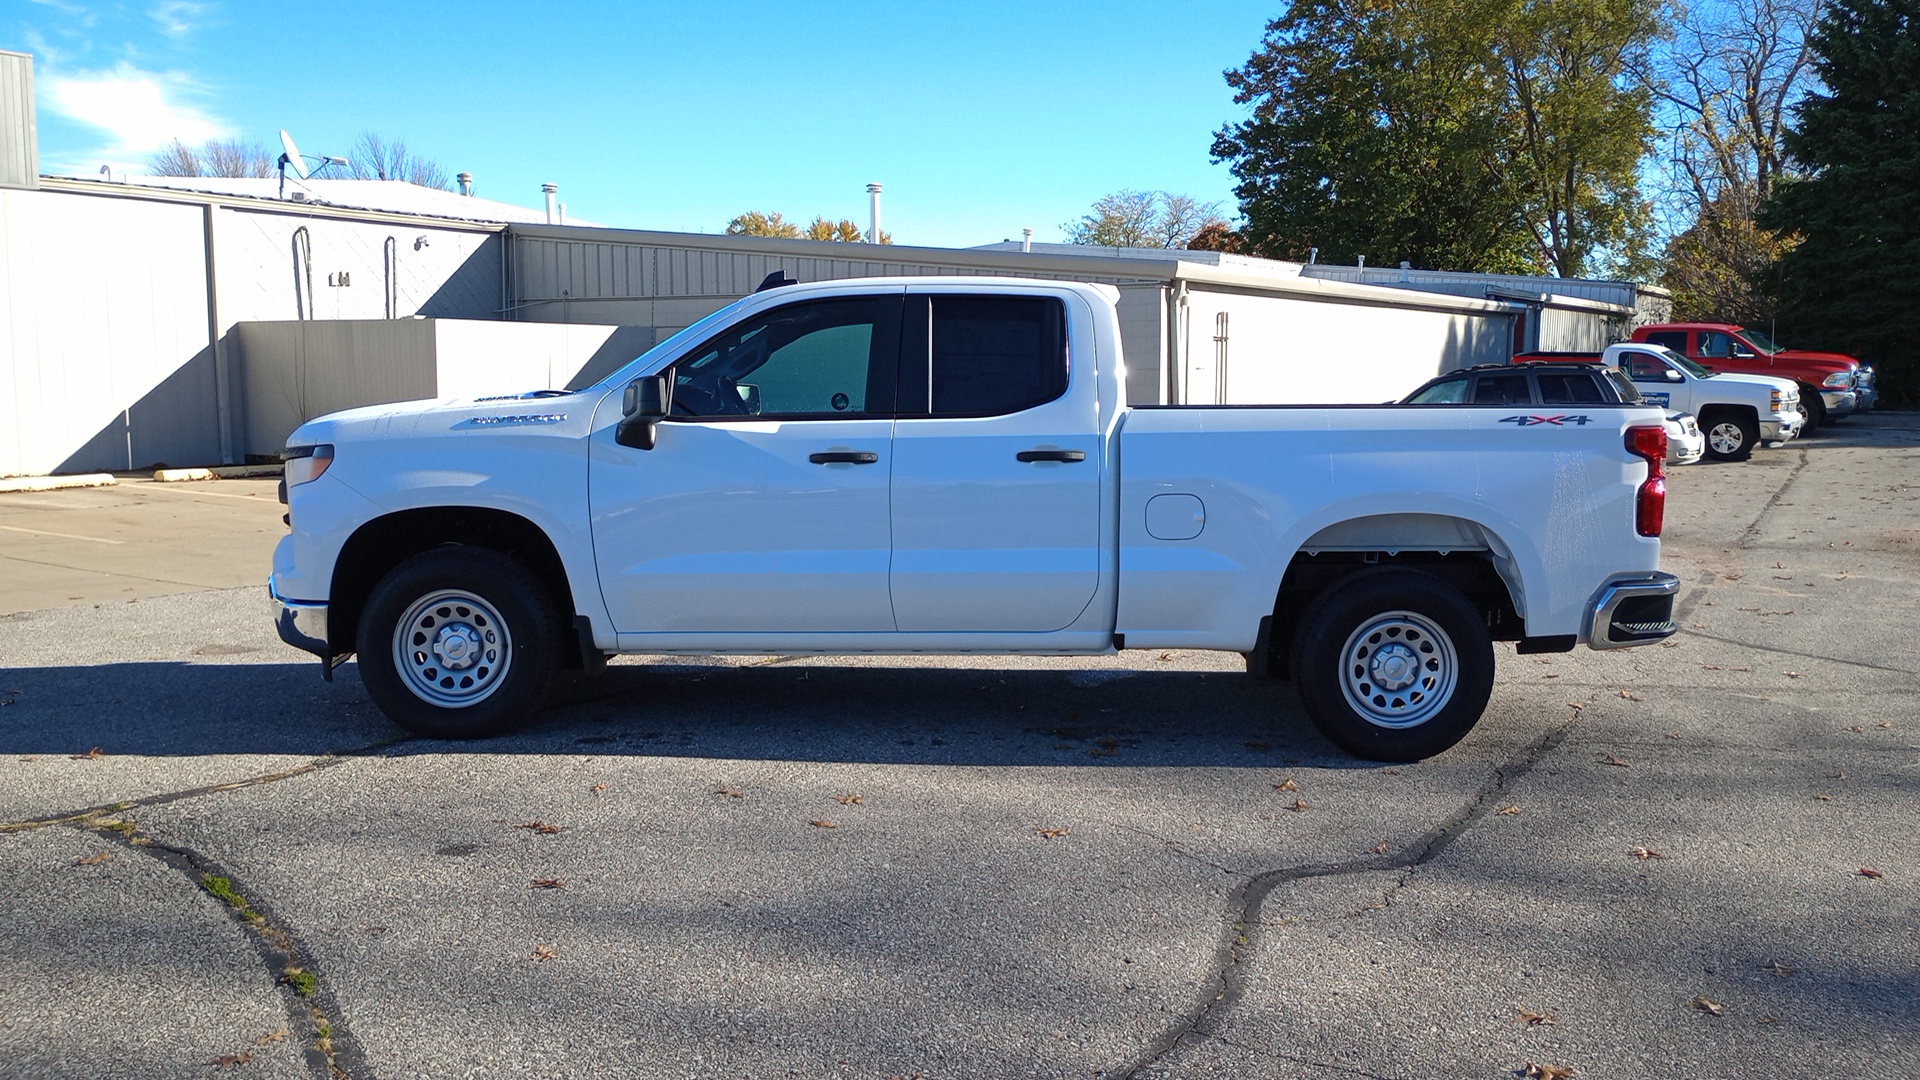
(1839, 402)
(302, 624)
(1781, 428)
(1636, 610)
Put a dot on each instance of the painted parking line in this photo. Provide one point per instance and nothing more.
(61, 535)
(143, 489)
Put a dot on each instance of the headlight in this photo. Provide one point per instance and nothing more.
(1838, 380)
(1779, 400)
(307, 463)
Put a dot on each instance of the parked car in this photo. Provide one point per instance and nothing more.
(1832, 385)
(1540, 382)
(931, 465)
(1737, 412)
(1686, 443)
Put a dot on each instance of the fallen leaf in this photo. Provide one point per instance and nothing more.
(1855, 728)
(1794, 675)
(1669, 644)
(597, 788)
(1508, 811)
(1643, 854)
(1286, 785)
(547, 883)
(823, 824)
(1839, 776)
(1673, 734)
(1164, 657)
(230, 1061)
(1868, 872)
(849, 800)
(1377, 849)
(1534, 1019)
(1575, 705)
(1708, 1006)
(1779, 566)
(1780, 969)
(729, 793)
(271, 1037)
(1712, 667)
(88, 756)
(1299, 805)
(545, 952)
(1769, 1019)
(542, 828)
(1548, 1072)
(1616, 762)
(1050, 834)
(95, 860)
(1630, 695)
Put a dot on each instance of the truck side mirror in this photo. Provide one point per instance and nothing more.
(648, 400)
(1672, 376)
(1741, 352)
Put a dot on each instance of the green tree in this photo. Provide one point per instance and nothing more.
(1151, 219)
(1844, 286)
(1493, 135)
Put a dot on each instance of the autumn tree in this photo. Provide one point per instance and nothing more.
(375, 157)
(755, 223)
(1725, 84)
(216, 157)
(1149, 219)
(1856, 212)
(1491, 135)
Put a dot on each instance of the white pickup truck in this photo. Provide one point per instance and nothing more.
(949, 465)
(1737, 412)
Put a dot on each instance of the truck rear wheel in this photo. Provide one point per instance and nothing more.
(1393, 665)
(458, 643)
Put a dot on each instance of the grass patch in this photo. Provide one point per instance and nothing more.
(302, 982)
(222, 889)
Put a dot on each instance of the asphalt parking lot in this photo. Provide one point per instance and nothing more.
(1694, 860)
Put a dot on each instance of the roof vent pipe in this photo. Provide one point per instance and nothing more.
(873, 194)
(1363, 266)
(466, 183)
(1026, 240)
(1405, 275)
(550, 189)
(561, 217)
(1313, 255)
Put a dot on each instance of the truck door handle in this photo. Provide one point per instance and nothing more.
(1052, 455)
(844, 457)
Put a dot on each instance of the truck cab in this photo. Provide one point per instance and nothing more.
(1737, 412)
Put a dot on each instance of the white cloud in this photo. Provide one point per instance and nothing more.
(140, 112)
(173, 16)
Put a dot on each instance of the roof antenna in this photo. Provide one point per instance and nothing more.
(775, 280)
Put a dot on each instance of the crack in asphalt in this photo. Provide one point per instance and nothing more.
(1752, 534)
(1240, 939)
(331, 1051)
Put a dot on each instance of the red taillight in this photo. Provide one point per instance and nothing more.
(1650, 508)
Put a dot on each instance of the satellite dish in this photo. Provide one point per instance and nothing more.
(292, 156)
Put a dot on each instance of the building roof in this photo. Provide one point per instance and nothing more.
(388, 196)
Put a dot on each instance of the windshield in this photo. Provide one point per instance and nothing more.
(1677, 360)
(1761, 341)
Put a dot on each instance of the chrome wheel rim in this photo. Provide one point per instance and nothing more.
(1398, 670)
(1726, 438)
(452, 649)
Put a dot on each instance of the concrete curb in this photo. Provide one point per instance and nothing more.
(55, 483)
(218, 472)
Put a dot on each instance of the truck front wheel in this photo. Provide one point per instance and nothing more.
(1393, 665)
(457, 643)
(1731, 435)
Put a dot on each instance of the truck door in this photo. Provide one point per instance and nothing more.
(996, 468)
(763, 506)
(1653, 377)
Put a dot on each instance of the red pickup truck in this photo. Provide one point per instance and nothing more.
(1831, 384)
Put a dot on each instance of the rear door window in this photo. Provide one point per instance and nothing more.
(1502, 390)
(1569, 388)
(1672, 339)
(982, 355)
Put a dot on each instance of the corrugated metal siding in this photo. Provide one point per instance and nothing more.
(19, 135)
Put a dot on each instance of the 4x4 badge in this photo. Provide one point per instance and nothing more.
(1556, 421)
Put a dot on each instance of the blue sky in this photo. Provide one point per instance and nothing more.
(980, 117)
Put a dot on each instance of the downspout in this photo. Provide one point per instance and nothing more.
(392, 266)
(1173, 384)
(302, 260)
(222, 377)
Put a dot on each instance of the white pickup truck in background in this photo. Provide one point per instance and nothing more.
(949, 465)
(1737, 412)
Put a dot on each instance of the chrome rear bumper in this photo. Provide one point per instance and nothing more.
(1633, 611)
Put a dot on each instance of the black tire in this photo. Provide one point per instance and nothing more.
(1731, 435)
(1815, 407)
(1417, 618)
(484, 645)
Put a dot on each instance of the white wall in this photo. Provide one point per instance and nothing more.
(108, 361)
(1281, 350)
